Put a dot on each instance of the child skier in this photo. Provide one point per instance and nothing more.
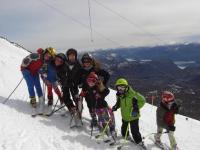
(97, 92)
(49, 75)
(29, 68)
(165, 117)
(130, 103)
(90, 65)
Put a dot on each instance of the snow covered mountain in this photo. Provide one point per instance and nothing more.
(19, 131)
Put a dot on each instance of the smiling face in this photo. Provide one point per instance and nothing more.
(47, 56)
(58, 61)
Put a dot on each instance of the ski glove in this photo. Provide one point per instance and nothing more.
(134, 113)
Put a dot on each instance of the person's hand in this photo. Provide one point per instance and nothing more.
(97, 96)
(114, 108)
(83, 93)
(134, 113)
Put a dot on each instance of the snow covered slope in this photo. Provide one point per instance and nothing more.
(19, 131)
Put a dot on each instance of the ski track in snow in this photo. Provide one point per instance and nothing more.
(19, 131)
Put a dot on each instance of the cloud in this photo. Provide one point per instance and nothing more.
(65, 24)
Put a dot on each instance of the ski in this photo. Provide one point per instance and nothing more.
(160, 145)
(122, 143)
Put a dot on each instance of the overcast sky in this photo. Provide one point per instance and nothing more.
(65, 23)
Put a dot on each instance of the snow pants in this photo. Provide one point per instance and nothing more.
(105, 115)
(32, 81)
(170, 135)
(134, 125)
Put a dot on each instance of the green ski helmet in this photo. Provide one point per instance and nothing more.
(121, 81)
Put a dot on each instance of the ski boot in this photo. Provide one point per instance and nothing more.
(33, 102)
(41, 105)
(94, 122)
(75, 118)
(33, 105)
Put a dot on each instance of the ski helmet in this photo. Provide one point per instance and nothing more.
(51, 51)
(86, 57)
(92, 79)
(40, 50)
(167, 96)
(71, 51)
(121, 81)
(121, 86)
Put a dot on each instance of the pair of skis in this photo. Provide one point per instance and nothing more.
(117, 142)
(160, 145)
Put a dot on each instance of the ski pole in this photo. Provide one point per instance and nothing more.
(104, 129)
(91, 130)
(126, 135)
(125, 139)
(55, 111)
(13, 91)
(55, 106)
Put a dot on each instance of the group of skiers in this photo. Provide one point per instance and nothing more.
(65, 71)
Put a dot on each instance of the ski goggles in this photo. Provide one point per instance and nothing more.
(121, 87)
(91, 81)
(167, 98)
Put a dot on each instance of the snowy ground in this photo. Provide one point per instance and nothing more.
(19, 131)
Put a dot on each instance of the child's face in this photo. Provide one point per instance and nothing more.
(72, 57)
(58, 61)
(47, 56)
(121, 89)
(87, 64)
(91, 82)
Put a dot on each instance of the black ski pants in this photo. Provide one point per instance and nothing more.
(134, 125)
(67, 97)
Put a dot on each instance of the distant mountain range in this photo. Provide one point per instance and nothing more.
(179, 52)
(171, 67)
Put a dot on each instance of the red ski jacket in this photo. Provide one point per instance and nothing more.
(32, 62)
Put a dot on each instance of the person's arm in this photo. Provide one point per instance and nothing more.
(140, 100)
(117, 105)
(175, 108)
